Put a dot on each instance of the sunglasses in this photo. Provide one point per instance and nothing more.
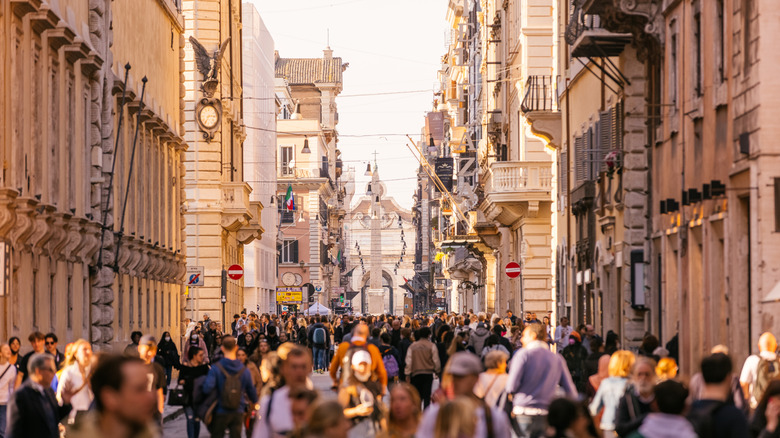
(50, 343)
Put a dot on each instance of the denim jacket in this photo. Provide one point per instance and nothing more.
(608, 396)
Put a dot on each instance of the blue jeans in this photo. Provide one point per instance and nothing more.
(193, 424)
(319, 358)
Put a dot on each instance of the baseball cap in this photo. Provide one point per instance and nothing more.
(463, 364)
(361, 356)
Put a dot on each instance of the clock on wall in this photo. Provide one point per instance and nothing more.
(288, 278)
(208, 115)
(298, 279)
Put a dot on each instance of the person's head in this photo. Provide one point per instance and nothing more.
(670, 397)
(386, 339)
(396, 324)
(716, 369)
(546, 320)
(82, 352)
(50, 343)
(166, 337)
(147, 348)
(327, 420)
(643, 375)
(264, 346)
(498, 330)
(212, 325)
(5, 352)
(406, 333)
(196, 356)
(423, 333)
(620, 363)
(283, 337)
(37, 341)
(767, 342)
(404, 403)
(229, 347)
(456, 418)
(242, 356)
(236, 317)
(509, 313)
(464, 369)
(301, 400)
(375, 332)
(121, 389)
(666, 368)
(41, 368)
(570, 418)
(496, 360)
(135, 337)
(565, 321)
(295, 367)
(243, 313)
(15, 344)
(533, 332)
(361, 365)
(649, 344)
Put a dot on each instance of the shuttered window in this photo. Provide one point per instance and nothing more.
(563, 181)
(288, 251)
(580, 159)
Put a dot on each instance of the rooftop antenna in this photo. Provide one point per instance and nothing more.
(328, 39)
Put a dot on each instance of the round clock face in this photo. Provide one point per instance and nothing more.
(288, 278)
(209, 116)
(298, 279)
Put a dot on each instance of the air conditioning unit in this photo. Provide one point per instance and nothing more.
(460, 56)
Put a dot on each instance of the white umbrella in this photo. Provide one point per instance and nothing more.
(317, 309)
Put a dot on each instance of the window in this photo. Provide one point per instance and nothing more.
(286, 159)
(747, 31)
(697, 80)
(673, 64)
(288, 251)
(563, 164)
(720, 40)
(580, 159)
(287, 216)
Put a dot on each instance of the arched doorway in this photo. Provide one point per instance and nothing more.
(387, 285)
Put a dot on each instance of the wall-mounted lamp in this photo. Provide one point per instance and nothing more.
(305, 149)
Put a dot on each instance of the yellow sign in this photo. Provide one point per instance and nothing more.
(289, 295)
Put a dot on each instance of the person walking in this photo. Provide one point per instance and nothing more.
(562, 333)
(147, 350)
(492, 382)
(7, 384)
(319, 340)
(75, 379)
(404, 412)
(33, 410)
(666, 420)
(535, 373)
(637, 401)
(611, 389)
(233, 382)
(166, 349)
(50, 345)
(422, 363)
(358, 341)
(390, 357)
(759, 369)
(132, 348)
(195, 371)
(714, 415)
(275, 416)
(37, 341)
(194, 339)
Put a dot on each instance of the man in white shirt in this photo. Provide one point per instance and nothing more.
(767, 347)
(275, 417)
(562, 333)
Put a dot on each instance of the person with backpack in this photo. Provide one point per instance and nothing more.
(319, 340)
(760, 369)
(357, 342)
(390, 357)
(422, 363)
(233, 383)
(713, 415)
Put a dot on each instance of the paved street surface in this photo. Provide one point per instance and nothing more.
(177, 428)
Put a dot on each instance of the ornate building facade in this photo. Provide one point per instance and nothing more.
(85, 151)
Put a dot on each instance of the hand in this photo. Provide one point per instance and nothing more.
(66, 395)
(363, 410)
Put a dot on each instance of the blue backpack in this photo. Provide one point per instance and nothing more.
(319, 336)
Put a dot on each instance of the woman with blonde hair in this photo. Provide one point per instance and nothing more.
(327, 421)
(404, 413)
(611, 389)
(75, 379)
(456, 419)
(666, 369)
(301, 333)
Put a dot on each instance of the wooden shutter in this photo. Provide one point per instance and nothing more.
(590, 153)
(605, 138)
(563, 162)
(279, 248)
(580, 158)
(293, 251)
(617, 126)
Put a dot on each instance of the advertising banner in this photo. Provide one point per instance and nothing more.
(289, 295)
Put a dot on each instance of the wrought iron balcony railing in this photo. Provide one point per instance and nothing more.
(540, 94)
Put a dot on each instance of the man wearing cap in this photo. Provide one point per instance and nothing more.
(535, 373)
(147, 350)
(357, 341)
(464, 368)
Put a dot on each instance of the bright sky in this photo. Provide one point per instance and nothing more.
(391, 46)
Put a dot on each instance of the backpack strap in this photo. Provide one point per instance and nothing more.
(488, 419)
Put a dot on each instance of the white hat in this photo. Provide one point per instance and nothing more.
(361, 356)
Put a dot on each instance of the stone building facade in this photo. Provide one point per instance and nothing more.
(221, 216)
(63, 179)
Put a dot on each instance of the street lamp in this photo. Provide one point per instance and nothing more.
(305, 149)
(432, 147)
(368, 170)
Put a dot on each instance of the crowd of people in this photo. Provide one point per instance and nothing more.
(437, 376)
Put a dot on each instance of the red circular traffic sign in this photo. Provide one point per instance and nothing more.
(512, 269)
(235, 272)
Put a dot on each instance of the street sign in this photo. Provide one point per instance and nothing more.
(235, 272)
(289, 295)
(195, 276)
(512, 270)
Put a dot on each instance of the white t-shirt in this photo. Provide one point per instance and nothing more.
(71, 378)
(7, 382)
(279, 420)
(750, 371)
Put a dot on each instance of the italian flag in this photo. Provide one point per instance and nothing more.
(289, 199)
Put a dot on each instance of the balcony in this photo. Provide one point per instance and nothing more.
(301, 178)
(589, 39)
(540, 107)
(236, 208)
(516, 189)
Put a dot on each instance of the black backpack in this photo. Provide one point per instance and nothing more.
(701, 419)
(232, 391)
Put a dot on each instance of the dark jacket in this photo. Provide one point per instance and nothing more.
(631, 413)
(215, 379)
(210, 338)
(311, 335)
(189, 375)
(167, 350)
(33, 414)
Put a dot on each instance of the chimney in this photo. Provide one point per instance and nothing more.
(328, 53)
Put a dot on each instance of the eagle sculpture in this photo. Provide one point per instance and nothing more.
(208, 65)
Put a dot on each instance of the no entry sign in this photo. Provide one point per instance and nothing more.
(235, 272)
(512, 269)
